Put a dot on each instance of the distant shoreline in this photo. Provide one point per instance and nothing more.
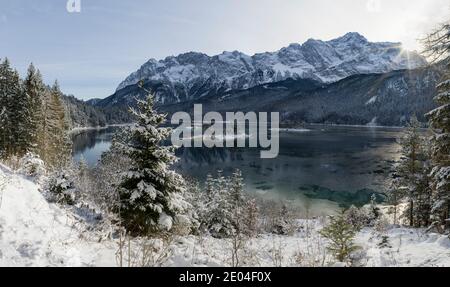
(355, 126)
(283, 128)
(79, 130)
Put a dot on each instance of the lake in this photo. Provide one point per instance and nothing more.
(319, 168)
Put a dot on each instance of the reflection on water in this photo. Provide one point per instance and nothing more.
(319, 170)
(90, 144)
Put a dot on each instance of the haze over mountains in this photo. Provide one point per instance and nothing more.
(314, 76)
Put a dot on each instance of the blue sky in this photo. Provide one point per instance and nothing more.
(91, 52)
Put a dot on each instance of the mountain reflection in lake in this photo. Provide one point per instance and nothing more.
(319, 170)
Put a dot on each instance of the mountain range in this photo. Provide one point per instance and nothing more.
(318, 81)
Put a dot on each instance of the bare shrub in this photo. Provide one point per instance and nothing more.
(315, 253)
(144, 251)
(277, 251)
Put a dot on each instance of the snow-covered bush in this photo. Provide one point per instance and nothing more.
(284, 222)
(31, 165)
(277, 217)
(356, 217)
(218, 217)
(381, 225)
(224, 211)
(60, 187)
(106, 178)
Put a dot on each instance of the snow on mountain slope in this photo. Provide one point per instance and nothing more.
(34, 232)
(323, 61)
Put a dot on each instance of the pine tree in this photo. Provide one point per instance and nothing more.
(13, 112)
(374, 210)
(32, 118)
(150, 193)
(55, 141)
(219, 210)
(35, 90)
(21, 119)
(437, 47)
(394, 197)
(341, 236)
(237, 201)
(4, 102)
(237, 189)
(251, 218)
(422, 209)
(410, 165)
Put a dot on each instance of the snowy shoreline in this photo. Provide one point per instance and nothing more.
(79, 130)
(355, 126)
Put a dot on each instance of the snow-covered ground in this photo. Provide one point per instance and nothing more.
(34, 232)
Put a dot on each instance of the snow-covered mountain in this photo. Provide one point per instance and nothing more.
(192, 75)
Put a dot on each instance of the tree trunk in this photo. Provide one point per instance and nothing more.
(411, 213)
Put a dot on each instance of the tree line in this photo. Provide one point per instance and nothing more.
(32, 118)
(423, 175)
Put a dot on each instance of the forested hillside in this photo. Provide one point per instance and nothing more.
(389, 99)
(81, 114)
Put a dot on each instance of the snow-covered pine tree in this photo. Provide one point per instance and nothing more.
(394, 197)
(237, 189)
(150, 193)
(437, 47)
(251, 218)
(410, 165)
(21, 119)
(55, 141)
(219, 210)
(237, 201)
(203, 202)
(13, 112)
(422, 208)
(374, 210)
(4, 102)
(35, 90)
